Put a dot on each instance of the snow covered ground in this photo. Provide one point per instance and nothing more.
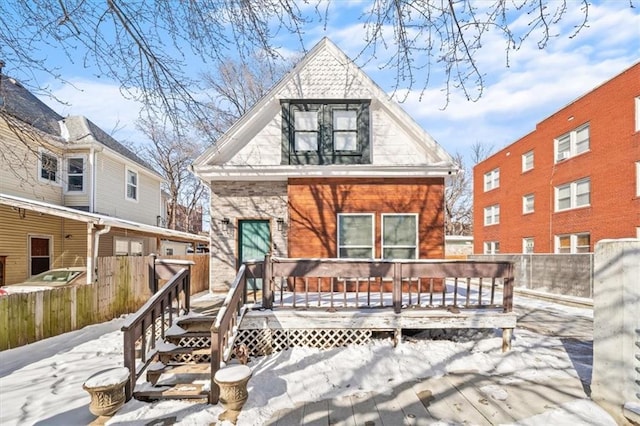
(41, 384)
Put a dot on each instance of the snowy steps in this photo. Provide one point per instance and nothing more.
(182, 369)
(461, 398)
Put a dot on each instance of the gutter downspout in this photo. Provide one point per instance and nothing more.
(92, 260)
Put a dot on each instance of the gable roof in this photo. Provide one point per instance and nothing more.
(338, 73)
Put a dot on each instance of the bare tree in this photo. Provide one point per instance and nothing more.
(459, 192)
(172, 153)
(151, 47)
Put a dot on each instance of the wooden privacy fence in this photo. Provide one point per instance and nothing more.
(122, 287)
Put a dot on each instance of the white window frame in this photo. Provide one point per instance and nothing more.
(572, 151)
(573, 194)
(373, 236)
(528, 245)
(492, 215)
(527, 207)
(638, 114)
(492, 179)
(83, 174)
(130, 242)
(573, 243)
(525, 157)
(637, 178)
(136, 186)
(491, 247)
(56, 181)
(416, 246)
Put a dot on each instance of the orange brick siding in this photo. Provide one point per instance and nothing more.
(614, 210)
(314, 205)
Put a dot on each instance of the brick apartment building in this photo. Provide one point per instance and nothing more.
(571, 182)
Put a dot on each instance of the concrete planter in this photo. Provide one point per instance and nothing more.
(232, 381)
(107, 391)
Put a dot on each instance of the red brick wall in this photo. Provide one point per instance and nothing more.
(614, 148)
(314, 205)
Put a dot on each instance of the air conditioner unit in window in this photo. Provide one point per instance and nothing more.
(563, 155)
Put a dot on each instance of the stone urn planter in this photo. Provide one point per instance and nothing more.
(232, 381)
(107, 390)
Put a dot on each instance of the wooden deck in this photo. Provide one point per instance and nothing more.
(464, 398)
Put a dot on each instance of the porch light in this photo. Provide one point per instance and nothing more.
(226, 224)
(280, 222)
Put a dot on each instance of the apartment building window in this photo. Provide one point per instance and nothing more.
(637, 178)
(48, 166)
(527, 203)
(75, 174)
(492, 215)
(527, 161)
(325, 132)
(355, 235)
(527, 245)
(491, 247)
(573, 243)
(571, 144)
(638, 114)
(399, 236)
(573, 195)
(132, 185)
(491, 180)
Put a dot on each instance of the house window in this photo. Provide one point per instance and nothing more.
(39, 254)
(573, 243)
(400, 236)
(527, 161)
(527, 203)
(75, 174)
(573, 195)
(132, 185)
(573, 143)
(168, 251)
(325, 132)
(491, 247)
(491, 180)
(637, 178)
(48, 165)
(527, 245)
(492, 215)
(128, 247)
(355, 235)
(638, 114)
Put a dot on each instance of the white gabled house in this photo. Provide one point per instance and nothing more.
(325, 165)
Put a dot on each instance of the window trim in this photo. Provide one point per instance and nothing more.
(573, 242)
(524, 161)
(573, 142)
(83, 174)
(573, 195)
(56, 180)
(491, 247)
(126, 185)
(524, 203)
(637, 115)
(637, 178)
(492, 210)
(416, 247)
(373, 234)
(492, 180)
(528, 249)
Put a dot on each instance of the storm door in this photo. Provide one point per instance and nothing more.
(254, 242)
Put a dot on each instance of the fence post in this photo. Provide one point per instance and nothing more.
(267, 291)
(507, 291)
(397, 287)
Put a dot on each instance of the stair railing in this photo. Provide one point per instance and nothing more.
(225, 330)
(148, 325)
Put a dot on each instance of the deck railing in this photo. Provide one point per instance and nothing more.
(144, 329)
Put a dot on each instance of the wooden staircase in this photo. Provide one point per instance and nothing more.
(181, 368)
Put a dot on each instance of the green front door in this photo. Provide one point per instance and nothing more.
(254, 243)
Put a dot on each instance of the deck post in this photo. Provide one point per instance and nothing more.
(214, 393)
(267, 295)
(397, 287)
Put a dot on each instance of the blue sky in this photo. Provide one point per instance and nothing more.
(516, 97)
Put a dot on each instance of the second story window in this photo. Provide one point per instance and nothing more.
(325, 132)
(491, 180)
(571, 144)
(492, 215)
(132, 185)
(48, 165)
(527, 203)
(573, 195)
(75, 174)
(527, 161)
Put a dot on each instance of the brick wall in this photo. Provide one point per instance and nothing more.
(614, 210)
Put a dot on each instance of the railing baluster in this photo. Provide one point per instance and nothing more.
(444, 291)
(419, 289)
(431, 292)
(294, 292)
(344, 292)
(331, 289)
(368, 292)
(380, 280)
(319, 291)
(480, 292)
(306, 292)
(493, 289)
(468, 291)
(357, 290)
(455, 291)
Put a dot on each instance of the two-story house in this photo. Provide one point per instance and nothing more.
(69, 192)
(571, 182)
(324, 165)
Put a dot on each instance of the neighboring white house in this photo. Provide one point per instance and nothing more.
(69, 192)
